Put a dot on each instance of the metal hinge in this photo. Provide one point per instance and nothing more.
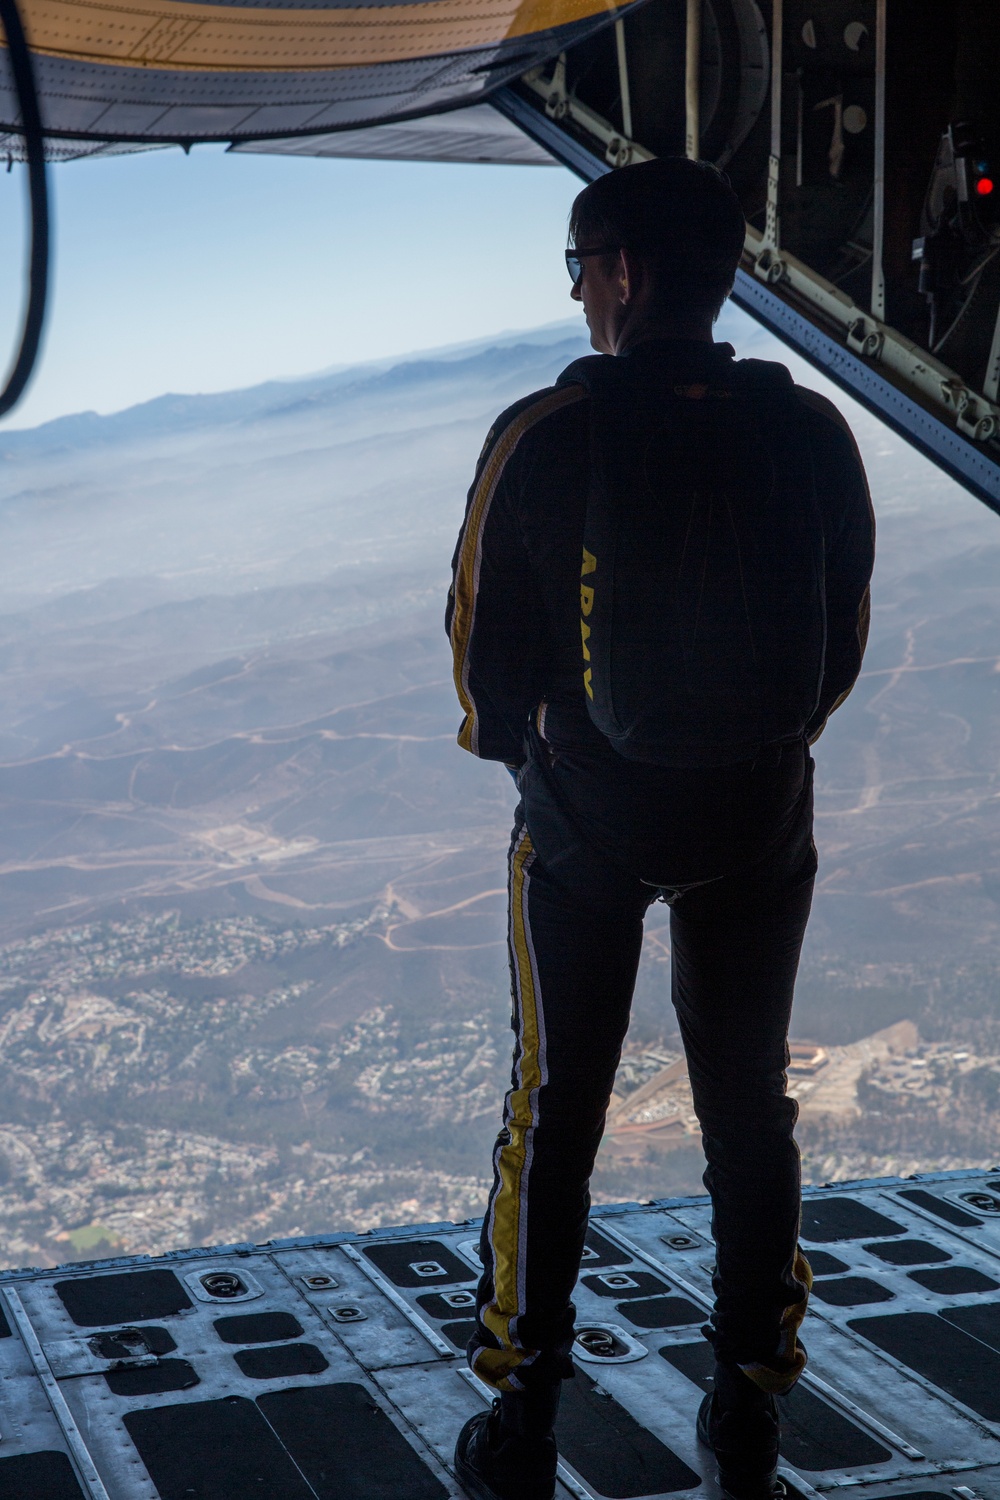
(865, 337)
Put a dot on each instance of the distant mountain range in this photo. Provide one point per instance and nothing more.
(175, 414)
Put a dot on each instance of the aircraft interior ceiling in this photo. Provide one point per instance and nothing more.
(167, 71)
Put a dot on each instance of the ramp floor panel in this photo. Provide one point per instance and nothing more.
(347, 1447)
(333, 1366)
(276, 1360)
(122, 1297)
(152, 1380)
(612, 1452)
(624, 1284)
(660, 1312)
(851, 1291)
(825, 1264)
(981, 1319)
(258, 1328)
(941, 1208)
(827, 1220)
(949, 1358)
(42, 1476)
(598, 1251)
(459, 1334)
(214, 1450)
(419, 1263)
(906, 1253)
(814, 1435)
(951, 1281)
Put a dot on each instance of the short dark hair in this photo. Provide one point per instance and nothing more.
(680, 217)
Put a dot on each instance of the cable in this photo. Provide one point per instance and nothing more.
(34, 142)
(980, 266)
(936, 348)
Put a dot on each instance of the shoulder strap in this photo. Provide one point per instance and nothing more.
(764, 375)
(595, 372)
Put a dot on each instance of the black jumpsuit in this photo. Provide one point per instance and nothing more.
(596, 839)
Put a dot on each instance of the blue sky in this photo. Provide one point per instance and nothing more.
(212, 271)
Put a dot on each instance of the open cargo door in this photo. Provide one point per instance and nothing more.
(863, 137)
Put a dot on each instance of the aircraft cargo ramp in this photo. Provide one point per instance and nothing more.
(331, 1367)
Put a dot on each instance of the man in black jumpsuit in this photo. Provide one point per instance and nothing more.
(723, 834)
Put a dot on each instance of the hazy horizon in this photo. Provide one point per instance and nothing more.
(214, 269)
(505, 336)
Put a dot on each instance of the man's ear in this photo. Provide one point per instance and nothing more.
(624, 284)
(630, 271)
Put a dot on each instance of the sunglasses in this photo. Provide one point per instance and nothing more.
(575, 259)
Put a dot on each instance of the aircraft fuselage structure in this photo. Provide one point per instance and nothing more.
(863, 137)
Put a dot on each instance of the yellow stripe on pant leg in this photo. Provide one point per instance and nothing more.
(508, 1217)
(790, 1359)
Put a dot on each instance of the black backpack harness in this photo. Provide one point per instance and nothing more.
(702, 612)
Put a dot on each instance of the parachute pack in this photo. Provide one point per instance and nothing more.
(702, 612)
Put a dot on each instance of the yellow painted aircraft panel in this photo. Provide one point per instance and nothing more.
(178, 36)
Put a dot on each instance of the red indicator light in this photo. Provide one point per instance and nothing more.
(984, 186)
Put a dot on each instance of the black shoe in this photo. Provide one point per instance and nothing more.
(739, 1422)
(509, 1453)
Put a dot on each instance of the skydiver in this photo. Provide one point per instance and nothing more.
(656, 702)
